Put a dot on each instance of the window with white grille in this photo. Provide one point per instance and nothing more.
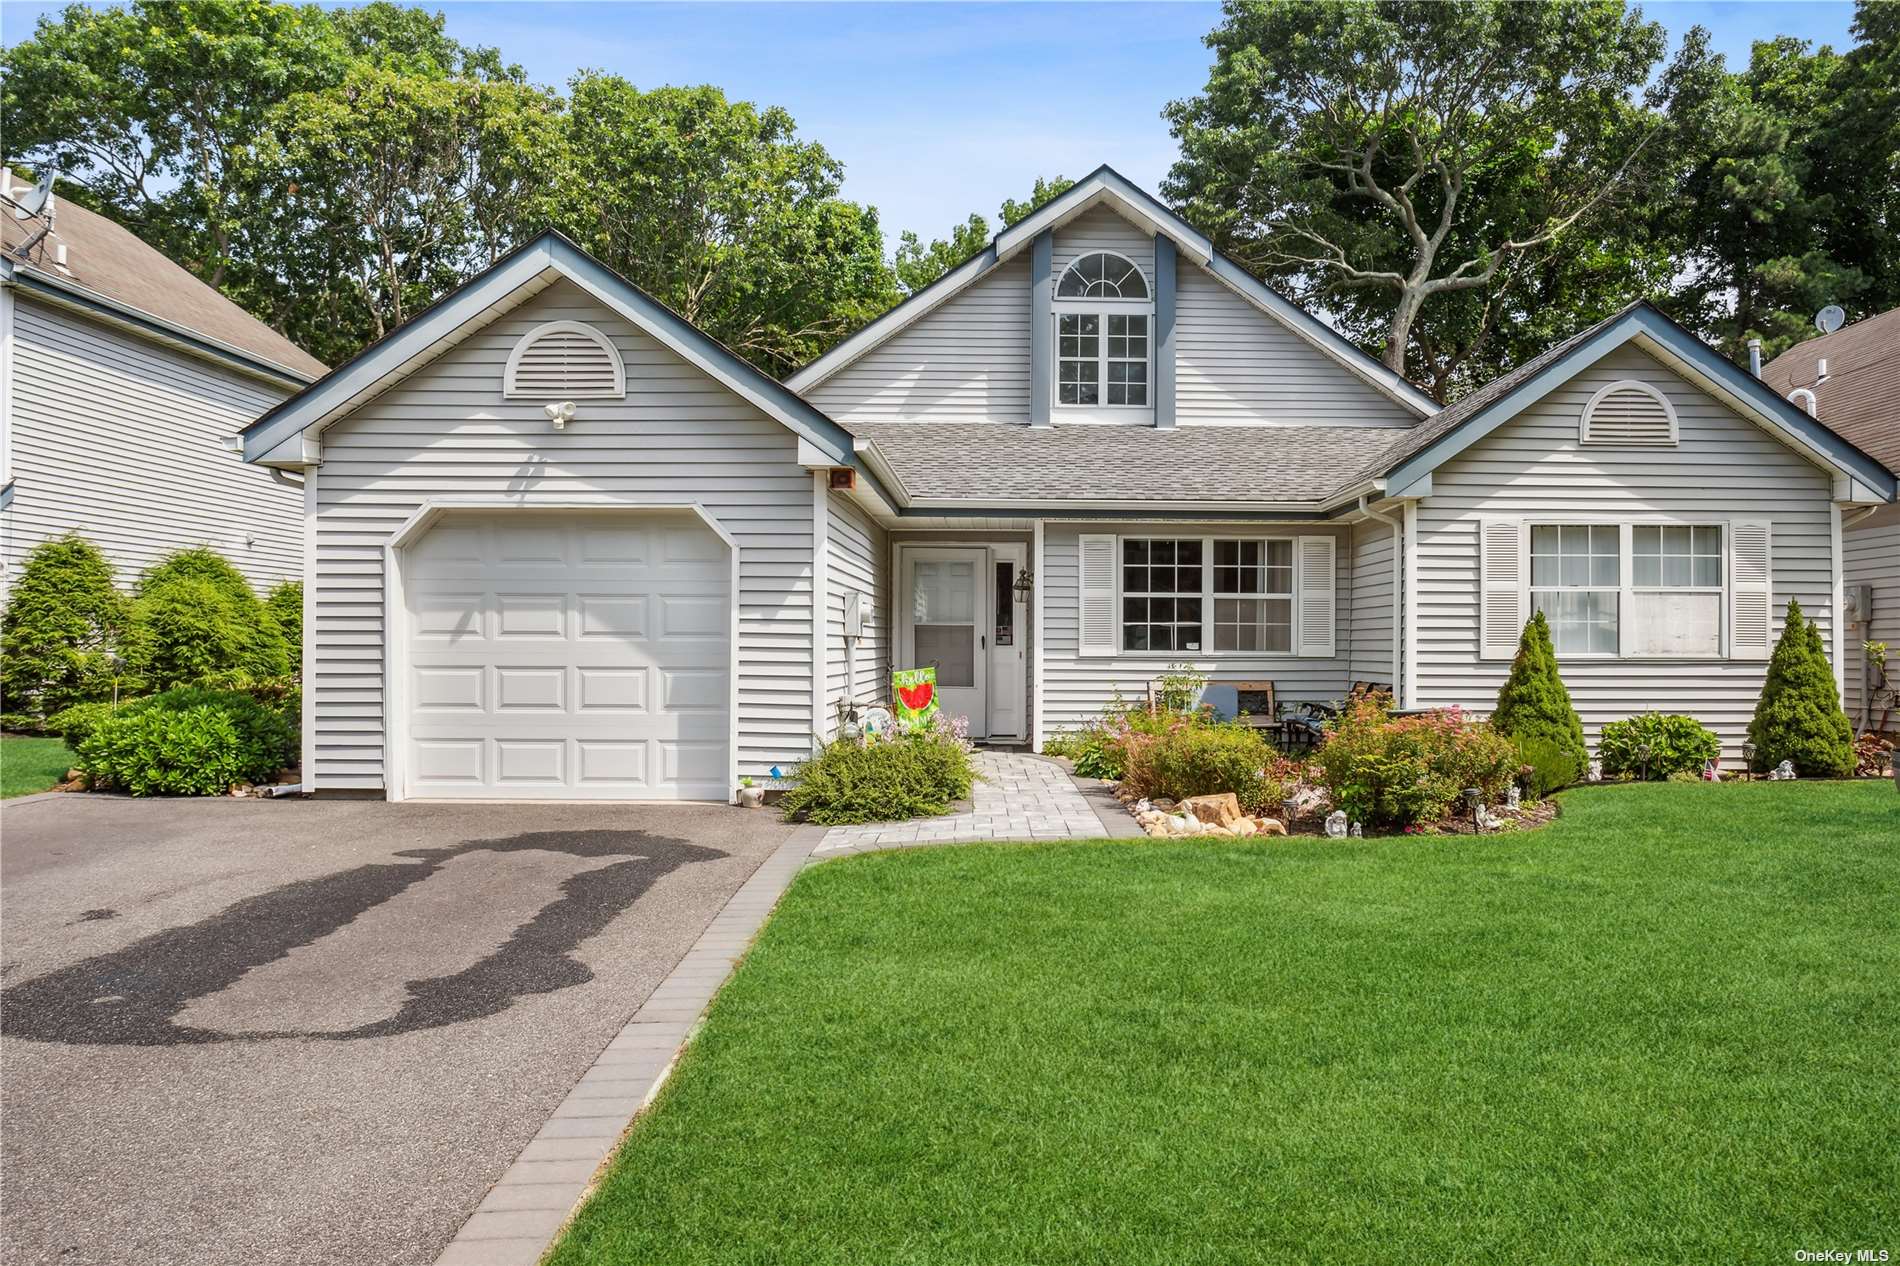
(1629, 413)
(564, 360)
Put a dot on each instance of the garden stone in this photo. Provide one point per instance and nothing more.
(1245, 827)
(1336, 824)
(1189, 820)
(1222, 809)
(1269, 826)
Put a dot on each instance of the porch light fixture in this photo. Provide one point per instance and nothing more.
(1025, 581)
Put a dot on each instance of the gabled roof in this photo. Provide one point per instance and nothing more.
(110, 272)
(1860, 397)
(1105, 186)
(1463, 424)
(502, 286)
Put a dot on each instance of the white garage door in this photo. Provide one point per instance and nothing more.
(568, 655)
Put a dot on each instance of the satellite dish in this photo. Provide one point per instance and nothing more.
(35, 200)
(1830, 318)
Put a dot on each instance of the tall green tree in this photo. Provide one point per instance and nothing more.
(1418, 170)
(917, 265)
(723, 211)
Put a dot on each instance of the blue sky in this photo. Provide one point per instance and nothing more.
(937, 110)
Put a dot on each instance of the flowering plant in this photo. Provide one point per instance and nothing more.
(1387, 771)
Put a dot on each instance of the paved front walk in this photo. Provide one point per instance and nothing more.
(1017, 797)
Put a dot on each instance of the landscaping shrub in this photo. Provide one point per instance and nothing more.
(63, 617)
(888, 780)
(1799, 716)
(1654, 746)
(192, 741)
(196, 617)
(1387, 772)
(1189, 757)
(1534, 704)
(1551, 766)
(76, 724)
(1872, 755)
(285, 604)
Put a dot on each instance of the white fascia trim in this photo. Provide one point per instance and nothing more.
(887, 475)
(894, 322)
(1104, 185)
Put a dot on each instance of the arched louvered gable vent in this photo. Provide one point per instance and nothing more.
(565, 360)
(1629, 412)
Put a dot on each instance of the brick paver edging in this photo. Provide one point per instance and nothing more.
(518, 1219)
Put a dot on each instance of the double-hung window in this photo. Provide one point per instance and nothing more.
(1676, 589)
(1161, 594)
(1169, 591)
(1253, 595)
(1576, 582)
(1104, 316)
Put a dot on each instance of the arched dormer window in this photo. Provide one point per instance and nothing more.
(1628, 412)
(564, 360)
(1104, 322)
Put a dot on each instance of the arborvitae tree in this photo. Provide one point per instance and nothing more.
(1799, 717)
(1534, 706)
(62, 620)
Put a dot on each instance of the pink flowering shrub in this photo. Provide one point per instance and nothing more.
(1187, 755)
(1397, 772)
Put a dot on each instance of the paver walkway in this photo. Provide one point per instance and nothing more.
(1017, 797)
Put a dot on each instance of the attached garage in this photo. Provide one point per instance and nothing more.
(565, 654)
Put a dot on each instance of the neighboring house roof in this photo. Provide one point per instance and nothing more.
(1423, 448)
(276, 437)
(1105, 185)
(1860, 397)
(1002, 464)
(107, 269)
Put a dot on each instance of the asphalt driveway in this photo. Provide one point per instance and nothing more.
(315, 1031)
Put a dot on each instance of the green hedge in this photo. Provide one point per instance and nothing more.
(192, 741)
(195, 616)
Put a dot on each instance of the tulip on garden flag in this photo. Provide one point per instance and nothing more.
(915, 690)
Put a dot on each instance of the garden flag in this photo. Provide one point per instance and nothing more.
(915, 690)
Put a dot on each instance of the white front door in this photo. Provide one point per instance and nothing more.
(946, 627)
(567, 656)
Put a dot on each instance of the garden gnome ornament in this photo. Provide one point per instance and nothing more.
(1336, 824)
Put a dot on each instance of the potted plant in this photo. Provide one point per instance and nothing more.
(750, 797)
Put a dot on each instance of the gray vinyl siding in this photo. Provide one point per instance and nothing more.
(1076, 688)
(859, 560)
(1870, 555)
(446, 431)
(1369, 644)
(965, 361)
(1533, 467)
(1235, 364)
(120, 440)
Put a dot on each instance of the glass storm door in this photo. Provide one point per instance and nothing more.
(946, 627)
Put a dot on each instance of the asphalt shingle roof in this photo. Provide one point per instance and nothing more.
(1272, 465)
(1861, 398)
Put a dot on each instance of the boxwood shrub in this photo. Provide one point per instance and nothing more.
(887, 780)
(1654, 746)
(192, 741)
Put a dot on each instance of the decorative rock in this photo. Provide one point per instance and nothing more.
(1189, 820)
(1244, 828)
(1336, 824)
(1158, 830)
(1177, 825)
(1166, 806)
(1217, 810)
(1269, 826)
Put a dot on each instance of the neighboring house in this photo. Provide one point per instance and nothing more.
(565, 545)
(120, 376)
(1850, 380)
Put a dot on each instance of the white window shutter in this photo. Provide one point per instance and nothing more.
(1318, 596)
(1750, 590)
(1099, 634)
(1504, 583)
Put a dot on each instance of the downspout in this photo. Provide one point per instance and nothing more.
(284, 477)
(1866, 684)
(1398, 590)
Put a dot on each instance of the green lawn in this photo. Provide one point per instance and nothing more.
(1667, 1028)
(28, 765)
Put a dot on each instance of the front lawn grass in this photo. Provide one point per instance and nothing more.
(28, 764)
(1667, 1028)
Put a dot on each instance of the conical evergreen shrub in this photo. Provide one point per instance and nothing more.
(1534, 707)
(1799, 716)
(63, 617)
